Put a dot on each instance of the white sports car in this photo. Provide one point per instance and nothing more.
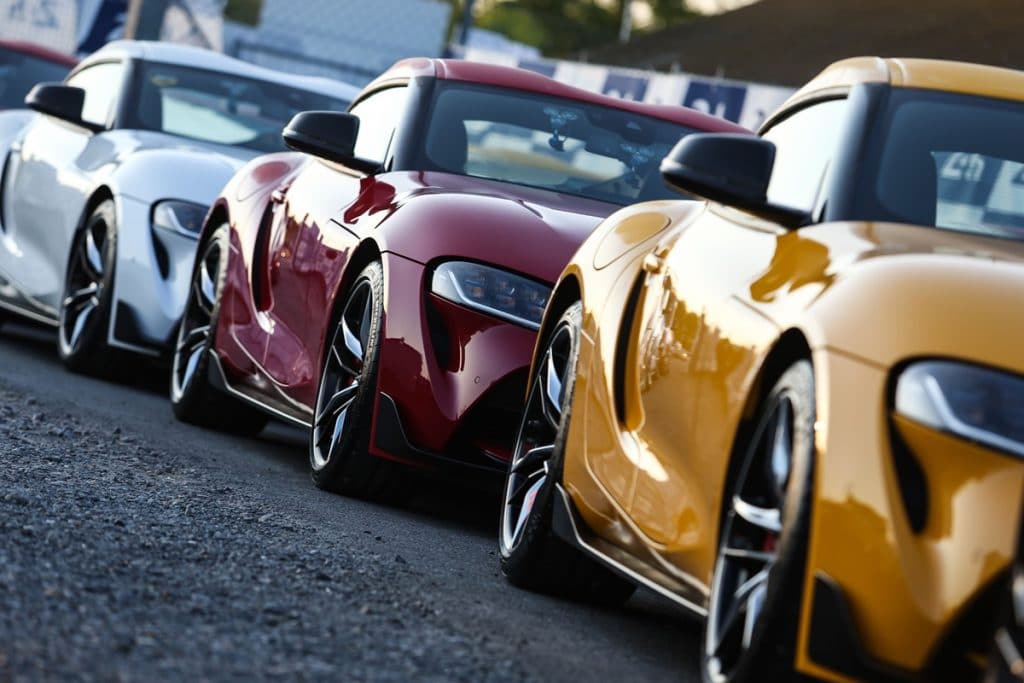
(102, 194)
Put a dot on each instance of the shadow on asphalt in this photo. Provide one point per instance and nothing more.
(457, 506)
(473, 509)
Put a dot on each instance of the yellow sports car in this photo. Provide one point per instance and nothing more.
(798, 408)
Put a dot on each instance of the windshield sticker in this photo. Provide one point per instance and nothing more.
(559, 118)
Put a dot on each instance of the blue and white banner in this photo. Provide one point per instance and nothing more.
(68, 26)
(51, 23)
(748, 104)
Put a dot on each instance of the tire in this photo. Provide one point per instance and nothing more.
(754, 607)
(192, 398)
(87, 299)
(339, 440)
(532, 557)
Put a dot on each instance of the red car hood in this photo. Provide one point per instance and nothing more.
(438, 216)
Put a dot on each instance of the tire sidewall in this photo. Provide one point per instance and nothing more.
(87, 356)
(773, 645)
(537, 531)
(188, 400)
(355, 440)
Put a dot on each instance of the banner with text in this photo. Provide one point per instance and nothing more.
(748, 104)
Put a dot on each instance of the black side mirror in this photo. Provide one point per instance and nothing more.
(731, 169)
(327, 135)
(61, 101)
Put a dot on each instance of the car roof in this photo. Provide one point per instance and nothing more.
(531, 81)
(39, 51)
(201, 58)
(927, 74)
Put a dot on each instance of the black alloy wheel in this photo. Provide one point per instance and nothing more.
(192, 398)
(754, 606)
(85, 306)
(340, 438)
(532, 556)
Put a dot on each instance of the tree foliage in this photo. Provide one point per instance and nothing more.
(244, 11)
(563, 27)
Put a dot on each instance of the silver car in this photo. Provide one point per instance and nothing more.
(102, 193)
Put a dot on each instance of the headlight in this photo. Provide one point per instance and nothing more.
(183, 218)
(978, 404)
(499, 293)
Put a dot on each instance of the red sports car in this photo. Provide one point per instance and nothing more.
(385, 287)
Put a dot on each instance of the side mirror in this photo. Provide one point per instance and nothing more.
(327, 135)
(730, 169)
(61, 101)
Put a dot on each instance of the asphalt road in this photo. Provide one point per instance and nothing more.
(139, 548)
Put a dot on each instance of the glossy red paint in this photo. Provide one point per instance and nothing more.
(530, 81)
(451, 378)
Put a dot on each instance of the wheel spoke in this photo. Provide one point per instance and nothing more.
(749, 556)
(338, 402)
(780, 455)
(755, 602)
(352, 342)
(195, 338)
(533, 457)
(340, 362)
(766, 518)
(80, 298)
(207, 285)
(527, 482)
(738, 610)
(190, 366)
(553, 384)
(526, 508)
(93, 255)
(81, 320)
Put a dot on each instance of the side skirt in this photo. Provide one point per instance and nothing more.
(218, 379)
(567, 525)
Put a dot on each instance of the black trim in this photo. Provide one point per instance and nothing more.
(3, 184)
(834, 643)
(568, 526)
(128, 330)
(625, 340)
(389, 436)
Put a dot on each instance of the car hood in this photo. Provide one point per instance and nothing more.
(436, 216)
(886, 292)
(140, 141)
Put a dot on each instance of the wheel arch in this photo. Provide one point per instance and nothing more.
(791, 347)
(365, 253)
(568, 291)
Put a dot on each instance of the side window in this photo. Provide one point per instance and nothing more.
(102, 85)
(805, 144)
(379, 115)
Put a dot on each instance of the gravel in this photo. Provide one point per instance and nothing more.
(135, 548)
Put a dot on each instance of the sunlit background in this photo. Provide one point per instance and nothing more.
(734, 58)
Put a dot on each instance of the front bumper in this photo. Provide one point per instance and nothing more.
(150, 280)
(452, 380)
(908, 577)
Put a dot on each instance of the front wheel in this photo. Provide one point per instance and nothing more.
(532, 556)
(192, 398)
(340, 438)
(86, 303)
(757, 586)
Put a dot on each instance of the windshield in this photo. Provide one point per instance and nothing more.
(551, 143)
(222, 108)
(19, 72)
(951, 161)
